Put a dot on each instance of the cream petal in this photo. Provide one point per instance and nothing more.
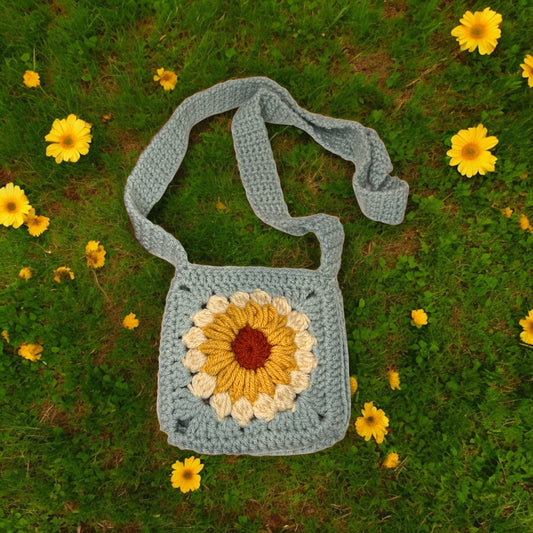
(217, 304)
(194, 337)
(260, 297)
(202, 385)
(194, 360)
(202, 318)
(284, 398)
(300, 381)
(222, 405)
(265, 407)
(242, 411)
(305, 360)
(297, 321)
(281, 305)
(239, 298)
(304, 340)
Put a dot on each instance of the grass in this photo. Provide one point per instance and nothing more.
(81, 448)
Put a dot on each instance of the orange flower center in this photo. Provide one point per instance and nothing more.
(251, 348)
(470, 151)
(11, 206)
(187, 474)
(93, 258)
(67, 141)
(529, 326)
(477, 31)
(166, 76)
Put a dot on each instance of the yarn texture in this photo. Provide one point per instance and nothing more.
(254, 360)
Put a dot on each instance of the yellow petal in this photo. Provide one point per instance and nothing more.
(250, 386)
(215, 363)
(236, 389)
(277, 375)
(226, 377)
(264, 382)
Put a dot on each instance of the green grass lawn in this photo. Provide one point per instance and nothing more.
(80, 445)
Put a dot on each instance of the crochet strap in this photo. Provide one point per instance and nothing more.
(380, 196)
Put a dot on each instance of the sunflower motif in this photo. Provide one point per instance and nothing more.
(250, 355)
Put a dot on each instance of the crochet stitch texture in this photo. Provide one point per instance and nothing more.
(254, 360)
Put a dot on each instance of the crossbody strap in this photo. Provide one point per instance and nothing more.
(259, 100)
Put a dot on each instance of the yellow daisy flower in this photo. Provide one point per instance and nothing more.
(166, 78)
(32, 352)
(185, 475)
(25, 273)
(130, 321)
(63, 273)
(524, 223)
(394, 379)
(527, 326)
(95, 254)
(14, 205)
(527, 68)
(70, 138)
(5, 335)
(36, 224)
(373, 423)
(479, 30)
(391, 461)
(470, 151)
(250, 355)
(353, 385)
(31, 79)
(507, 212)
(420, 317)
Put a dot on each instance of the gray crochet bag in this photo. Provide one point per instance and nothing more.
(254, 360)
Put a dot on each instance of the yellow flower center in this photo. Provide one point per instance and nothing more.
(477, 31)
(11, 206)
(165, 76)
(529, 327)
(67, 141)
(470, 151)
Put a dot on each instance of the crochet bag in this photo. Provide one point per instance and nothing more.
(254, 360)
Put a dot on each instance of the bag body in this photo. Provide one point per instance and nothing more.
(304, 404)
(254, 360)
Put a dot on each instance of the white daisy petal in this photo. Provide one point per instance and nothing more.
(304, 340)
(265, 407)
(203, 318)
(217, 304)
(281, 305)
(194, 360)
(299, 381)
(284, 398)
(305, 360)
(260, 297)
(194, 337)
(239, 298)
(221, 403)
(202, 385)
(297, 321)
(242, 411)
